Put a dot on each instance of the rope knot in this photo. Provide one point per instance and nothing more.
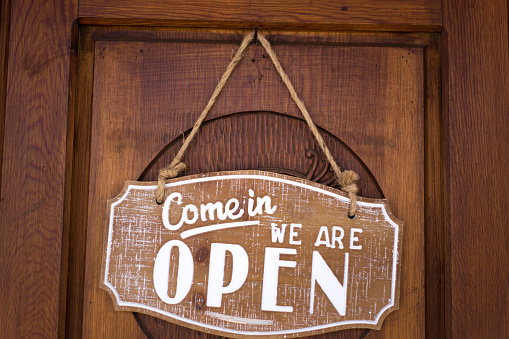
(347, 183)
(164, 174)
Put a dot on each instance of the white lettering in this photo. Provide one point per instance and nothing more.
(166, 209)
(354, 238)
(184, 274)
(271, 267)
(211, 207)
(230, 211)
(336, 238)
(253, 211)
(323, 232)
(278, 234)
(250, 203)
(294, 234)
(215, 289)
(185, 217)
(209, 211)
(322, 274)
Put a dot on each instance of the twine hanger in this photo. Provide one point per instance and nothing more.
(345, 179)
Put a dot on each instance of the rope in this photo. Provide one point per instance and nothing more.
(346, 179)
(176, 166)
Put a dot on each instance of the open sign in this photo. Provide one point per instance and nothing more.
(251, 253)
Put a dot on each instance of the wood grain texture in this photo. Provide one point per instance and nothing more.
(5, 20)
(366, 89)
(435, 156)
(268, 136)
(34, 167)
(475, 74)
(477, 64)
(398, 14)
(367, 259)
(77, 188)
(268, 148)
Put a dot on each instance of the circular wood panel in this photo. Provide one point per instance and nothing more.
(257, 140)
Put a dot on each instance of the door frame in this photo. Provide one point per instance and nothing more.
(39, 52)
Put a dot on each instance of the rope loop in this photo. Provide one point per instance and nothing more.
(164, 174)
(347, 183)
(346, 179)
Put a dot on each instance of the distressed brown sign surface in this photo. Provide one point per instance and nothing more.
(251, 253)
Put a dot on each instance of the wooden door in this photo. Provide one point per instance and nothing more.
(366, 92)
(146, 88)
(110, 97)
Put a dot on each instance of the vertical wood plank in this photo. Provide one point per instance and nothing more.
(141, 102)
(478, 114)
(73, 243)
(434, 192)
(34, 167)
(5, 19)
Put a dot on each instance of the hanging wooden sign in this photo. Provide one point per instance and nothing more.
(252, 253)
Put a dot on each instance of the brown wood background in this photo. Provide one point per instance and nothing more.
(34, 158)
(129, 128)
(37, 123)
(476, 106)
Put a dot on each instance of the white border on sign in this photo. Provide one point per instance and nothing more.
(268, 178)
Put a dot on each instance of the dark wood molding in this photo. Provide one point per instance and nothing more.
(304, 14)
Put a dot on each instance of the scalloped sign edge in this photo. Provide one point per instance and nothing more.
(382, 204)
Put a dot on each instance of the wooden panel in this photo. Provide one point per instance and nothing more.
(398, 14)
(477, 63)
(371, 96)
(5, 20)
(33, 172)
